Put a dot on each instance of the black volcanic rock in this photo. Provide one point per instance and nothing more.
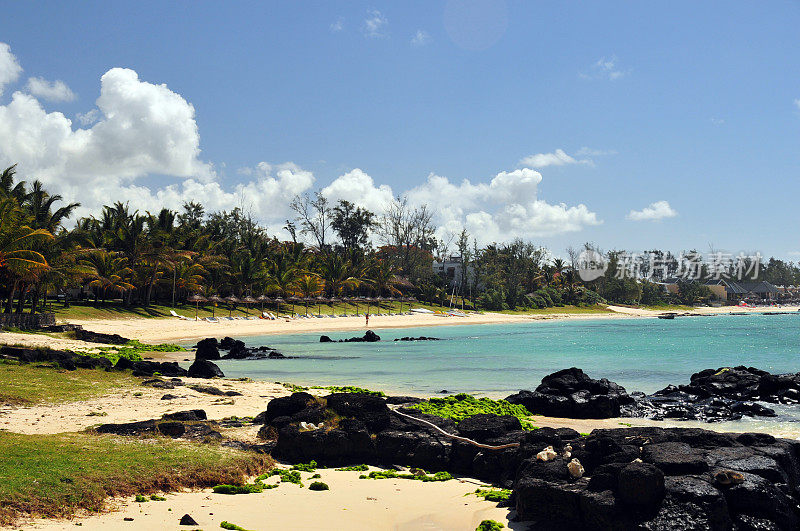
(207, 349)
(204, 369)
(571, 393)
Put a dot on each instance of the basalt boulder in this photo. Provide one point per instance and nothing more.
(573, 394)
(483, 427)
(204, 369)
(207, 349)
(149, 368)
(285, 406)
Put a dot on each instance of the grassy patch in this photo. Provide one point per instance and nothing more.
(355, 468)
(20, 384)
(56, 475)
(558, 310)
(306, 467)
(420, 475)
(489, 525)
(227, 525)
(239, 489)
(318, 485)
(461, 406)
(493, 495)
(349, 389)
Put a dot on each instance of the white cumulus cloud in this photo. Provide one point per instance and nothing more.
(51, 91)
(9, 66)
(556, 158)
(140, 130)
(337, 25)
(89, 117)
(375, 25)
(605, 68)
(653, 212)
(420, 38)
(505, 207)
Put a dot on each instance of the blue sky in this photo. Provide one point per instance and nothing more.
(690, 103)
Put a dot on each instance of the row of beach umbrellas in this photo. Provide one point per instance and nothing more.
(319, 300)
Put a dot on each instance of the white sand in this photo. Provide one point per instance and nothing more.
(351, 503)
(124, 406)
(45, 341)
(172, 329)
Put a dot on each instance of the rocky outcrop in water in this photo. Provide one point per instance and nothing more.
(420, 338)
(726, 393)
(573, 394)
(712, 395)
(209, 348)
(368, 337)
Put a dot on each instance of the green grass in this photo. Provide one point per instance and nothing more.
(393, 474)
(21, 384)
(558, 310)
(492, 495)
(227, 525)
(668, 307)
(489, 525)
(461, 406)
(56, 475)
(318, 485)
(116, 310)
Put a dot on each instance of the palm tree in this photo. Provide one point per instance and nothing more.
(310, 285)
(108, 271)
(382, 278)
(39, 203)
(335, 273)
(8, 188)
(19, 259)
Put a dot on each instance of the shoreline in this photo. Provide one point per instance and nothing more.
(176, 330)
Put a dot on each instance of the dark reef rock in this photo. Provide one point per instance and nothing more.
(211, 390)
(368, 337)
(190, 415)
(711, 396)
(420, 338)
(149, 368)
(483, 427)
(204, 369)
(187, 520)
(571, 393)
(207, 349)
(97, 337)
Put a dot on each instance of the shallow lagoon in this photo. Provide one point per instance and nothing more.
(496, 360)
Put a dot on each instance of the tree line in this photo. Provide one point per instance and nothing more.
(333, 249)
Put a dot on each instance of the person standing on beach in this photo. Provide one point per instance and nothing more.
(367, 316)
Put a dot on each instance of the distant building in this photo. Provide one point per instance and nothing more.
(451, 269)
(731, 290)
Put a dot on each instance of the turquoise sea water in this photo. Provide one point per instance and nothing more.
(496, 360)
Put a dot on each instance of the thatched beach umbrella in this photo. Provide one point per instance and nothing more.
(196, 299)
(216, 299)
(294, 299)
(278, 301)
(248, 301)
(231, 300)
(369, 300)
(320, 301)
(263, 299)
(333, 301)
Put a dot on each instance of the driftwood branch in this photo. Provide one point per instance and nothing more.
(457, 437)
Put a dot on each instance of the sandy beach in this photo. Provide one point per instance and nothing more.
(351, 503)
(173, 329)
